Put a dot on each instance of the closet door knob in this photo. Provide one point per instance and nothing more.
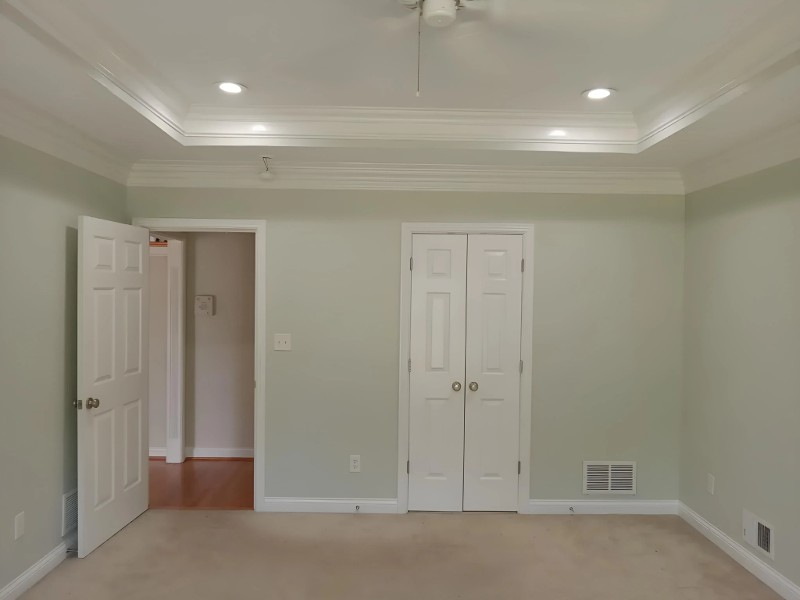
(473, 386)
(456, 386)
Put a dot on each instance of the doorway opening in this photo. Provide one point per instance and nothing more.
(201, 349)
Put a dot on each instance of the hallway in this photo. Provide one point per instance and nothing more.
(202, 484)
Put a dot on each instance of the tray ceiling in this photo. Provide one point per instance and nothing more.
(335, 82)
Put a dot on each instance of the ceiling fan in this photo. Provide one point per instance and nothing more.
(522, 19)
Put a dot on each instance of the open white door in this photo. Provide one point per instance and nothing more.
(112, 378)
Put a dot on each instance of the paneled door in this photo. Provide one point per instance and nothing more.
(494, 328)
(436, 411)
(112, 378)
(466, 311)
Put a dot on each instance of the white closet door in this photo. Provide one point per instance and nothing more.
(494, 321)
(436, 437)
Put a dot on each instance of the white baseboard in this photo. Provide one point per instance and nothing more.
(330, 505)
(158, 452)
(33, 574)
(602, 507)
(192, 452)
(766, 573)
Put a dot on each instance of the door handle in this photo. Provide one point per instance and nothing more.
(456, 386)
(92, 402)
(473, 386)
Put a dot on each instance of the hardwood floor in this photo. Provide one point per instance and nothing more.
(202, 484)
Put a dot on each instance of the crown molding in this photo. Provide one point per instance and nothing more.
(75, 35)
(41, 131)
(751, 57)
(760, 53)
(769, 151)
(519, 130)
(406, 177)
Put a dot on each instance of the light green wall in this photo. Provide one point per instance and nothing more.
(40, 201)
(607, 341)
(742, 356)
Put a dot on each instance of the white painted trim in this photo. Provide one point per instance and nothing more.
(192, 452)
(175, 417)
(398, 176)
(747, 61)
(259, 228)
(41, 131)
(526, 346)
(157, 452)
(331, 505)
(602, 507)
(34, 573)
(779, 147)
(767, 573)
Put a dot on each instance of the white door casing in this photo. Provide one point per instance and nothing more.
(436, 413)
(492, 415)
(112, 370)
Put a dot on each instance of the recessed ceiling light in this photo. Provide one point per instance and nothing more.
(231, 88)
(598, 93)
(259, 128)
(557, 133)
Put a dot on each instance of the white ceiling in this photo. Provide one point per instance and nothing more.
(335, 82)
(540, 56)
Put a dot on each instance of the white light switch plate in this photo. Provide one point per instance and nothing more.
(283, 342)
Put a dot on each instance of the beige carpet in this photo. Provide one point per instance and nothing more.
(182, 555)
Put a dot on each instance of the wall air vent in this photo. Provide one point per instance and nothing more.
(69, 512)
(759, 534)
(600, 477)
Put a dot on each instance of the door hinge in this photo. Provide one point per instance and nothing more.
(520, 366)
(523, 265)
(409, 365)
(408, 467)
(519, 467)
(411, 264)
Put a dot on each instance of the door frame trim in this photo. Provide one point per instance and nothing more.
(259, 228)
(174, 450)
(526, 346)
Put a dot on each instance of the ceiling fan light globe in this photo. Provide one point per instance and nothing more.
(439, 13)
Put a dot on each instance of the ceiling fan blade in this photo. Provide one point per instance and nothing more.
(568, 15)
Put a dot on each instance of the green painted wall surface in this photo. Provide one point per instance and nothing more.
(607, 340)
(741, 418)
(40, 201)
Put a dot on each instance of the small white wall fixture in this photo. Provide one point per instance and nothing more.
(259, 228)
(526, 350)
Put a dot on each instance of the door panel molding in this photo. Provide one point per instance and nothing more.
(408, 230)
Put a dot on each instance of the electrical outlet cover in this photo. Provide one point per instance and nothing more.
(355, 463)
(19, 525)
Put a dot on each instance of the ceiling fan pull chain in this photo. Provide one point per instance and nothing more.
(419, 44)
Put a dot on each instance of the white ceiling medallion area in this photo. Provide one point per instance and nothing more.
(405, 177)
(760, 53)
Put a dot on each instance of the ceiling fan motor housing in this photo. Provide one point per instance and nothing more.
(439, 13)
